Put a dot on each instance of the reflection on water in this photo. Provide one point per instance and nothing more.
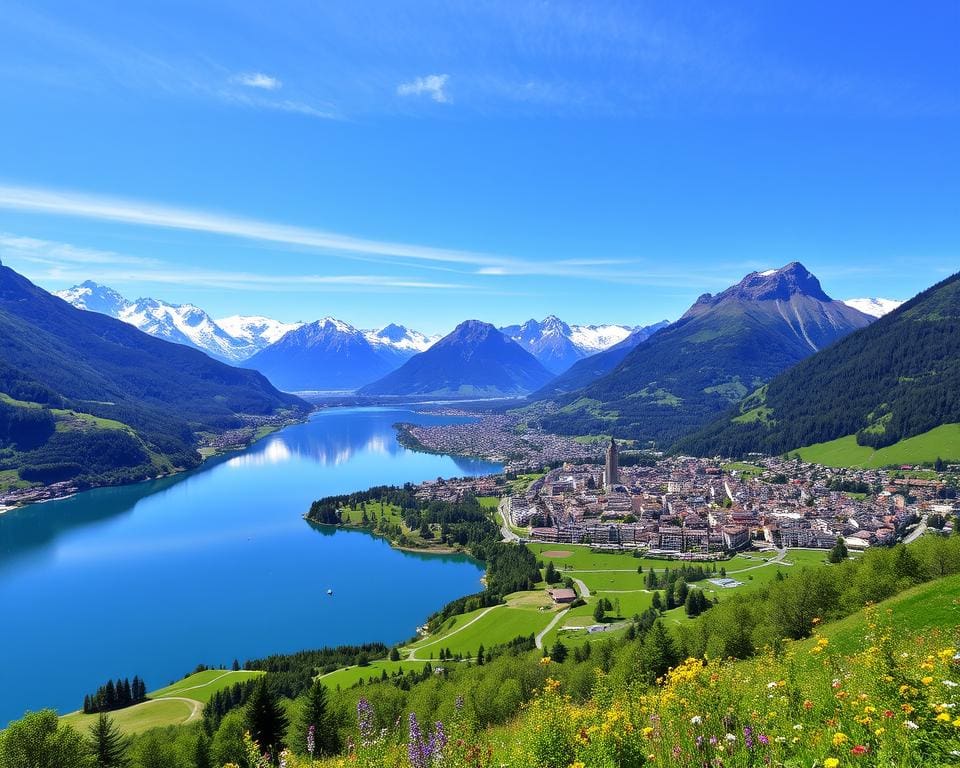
(215, 564)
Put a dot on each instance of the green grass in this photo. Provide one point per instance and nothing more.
(519, 486)
(159, 711)
(68, 420)
(928, 606)
(499, 626)
(202, 685)
(941, 442)
(740, 466)
(142, 717)
(350, 676)
(489, 503)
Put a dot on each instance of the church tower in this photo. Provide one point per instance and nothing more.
(611, 475)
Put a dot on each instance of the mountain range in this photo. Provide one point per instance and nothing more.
(474, 360)
(558, 346)
(897, 379)
(330, 354)
(723, 347)
(591, 368)
(87, 397)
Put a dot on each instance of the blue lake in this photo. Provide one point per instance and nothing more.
(215, 564)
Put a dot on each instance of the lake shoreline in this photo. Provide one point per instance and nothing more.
(66, 489)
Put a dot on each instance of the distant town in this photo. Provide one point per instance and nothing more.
(689, 508)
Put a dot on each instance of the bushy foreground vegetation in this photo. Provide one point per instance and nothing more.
(882, 693)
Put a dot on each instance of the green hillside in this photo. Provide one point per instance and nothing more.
(897, 379)
(941, 442)
(90, 399)
(724, 347)
(176, 704)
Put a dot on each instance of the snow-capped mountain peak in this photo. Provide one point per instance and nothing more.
(400, 338)
(256, 330)
(94, 297)
(558, 345)
(875, 307)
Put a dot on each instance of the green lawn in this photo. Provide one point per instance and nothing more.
(519, 486)
(158, 711)
(927, 607)
(202, 685)
(142, 717)
(743, 467)
(942, 442)
(350, 676)
(500, 625)
(489, 502)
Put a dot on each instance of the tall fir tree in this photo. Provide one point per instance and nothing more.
(108, 745)
(265, 719)
(316, 712)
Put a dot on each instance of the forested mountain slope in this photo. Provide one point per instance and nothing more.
(898, 378)
(83, 394)
(724, 347)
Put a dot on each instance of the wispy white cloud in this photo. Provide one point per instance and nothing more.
(137, 212)
(40, 251)
(257, 80)
(405, 256)
(295, 106)
(433, 86)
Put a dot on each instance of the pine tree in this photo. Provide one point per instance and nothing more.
(107, 744)
(652, 582)
(316, 712)
(657, 602)
(480, 657)
(599, 612)
(265, 719)
(839, 552)
(658, 653)
(394, 654)
(201, 752)
(559, 652)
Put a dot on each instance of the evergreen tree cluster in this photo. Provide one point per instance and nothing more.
(224, 701)
(115, 695)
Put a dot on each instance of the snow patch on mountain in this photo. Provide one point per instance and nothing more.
(875, 307)
(255, 329)
(400, 338)
(596, 338)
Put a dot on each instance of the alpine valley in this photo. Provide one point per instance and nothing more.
(88, 399)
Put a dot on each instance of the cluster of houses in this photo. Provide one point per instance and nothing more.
(503, 439)
(698, 508)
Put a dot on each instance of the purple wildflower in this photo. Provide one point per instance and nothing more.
(699, 742)
(748, 736)
(365, 720)
(423, 751)
(762, 738)
(416, 748)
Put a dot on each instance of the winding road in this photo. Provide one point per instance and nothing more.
(413, 651)
(553, 622)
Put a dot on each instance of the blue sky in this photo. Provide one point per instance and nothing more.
(424, 162)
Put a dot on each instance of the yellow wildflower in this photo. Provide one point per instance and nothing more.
(839, 738)
(831, 762)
